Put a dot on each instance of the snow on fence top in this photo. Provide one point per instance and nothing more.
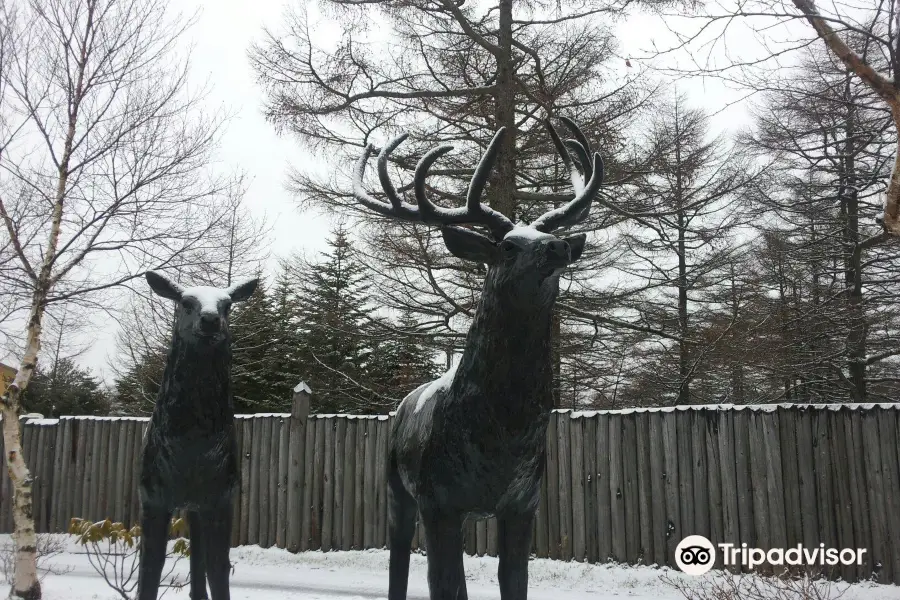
(734, 407)
(574, 414)
(54, 421)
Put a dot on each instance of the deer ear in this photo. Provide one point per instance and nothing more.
(576, 245)
(243, 290)
(163, 286)
(469, 245)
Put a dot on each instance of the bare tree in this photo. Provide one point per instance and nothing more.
(448, 72)
(102, 175)
(832, 142)
(828, 119)
(452, 73)
(880, 29)
(236, 246)
(687, 209)
(864, 39)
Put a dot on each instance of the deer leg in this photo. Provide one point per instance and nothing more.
(444, 546)
(198, 556)
(463, 593)
(401, 529)
(154, 535)
(514, 548)
(217, 525)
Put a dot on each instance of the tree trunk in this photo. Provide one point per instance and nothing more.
(26, 584)
(815, 389)
(503, 198)
(737, 383)
(786, 341)
(856, 338)
(556, 357)
(684, 367)
(885, 87)
(847, 194)
(737, 368)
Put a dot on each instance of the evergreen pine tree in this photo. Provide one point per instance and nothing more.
(253, 329)
(333, 348)
(286, 367)
(66, 389)
(401, 363)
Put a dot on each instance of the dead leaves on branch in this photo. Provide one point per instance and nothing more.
(116, 533)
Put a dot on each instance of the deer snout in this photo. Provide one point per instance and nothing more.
(559, 251)
(210, 323)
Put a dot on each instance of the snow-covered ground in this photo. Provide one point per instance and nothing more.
(272, 574)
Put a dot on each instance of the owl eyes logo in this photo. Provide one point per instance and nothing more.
(695, 555)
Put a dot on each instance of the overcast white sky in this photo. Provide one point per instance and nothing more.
(220, 39)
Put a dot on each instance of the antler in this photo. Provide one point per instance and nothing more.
(586, 184)
(427, 212)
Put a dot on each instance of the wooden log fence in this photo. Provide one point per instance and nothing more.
(621, 486)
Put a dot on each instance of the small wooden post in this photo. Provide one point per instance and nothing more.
(297, 465)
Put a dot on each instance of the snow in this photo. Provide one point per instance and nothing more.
(302, 387)
(577, 414)
(345, 416)
(573, 414)
(526, 232)
(577, 180)
(273, 574)
(441, 382)
(208, 297)
(733, 407)
(410, 395)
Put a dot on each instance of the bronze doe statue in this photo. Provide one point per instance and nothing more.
(189, 458)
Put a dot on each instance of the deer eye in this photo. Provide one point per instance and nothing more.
(187, 304)
(509, 249)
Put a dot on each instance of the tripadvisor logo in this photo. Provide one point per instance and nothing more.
(695, 555)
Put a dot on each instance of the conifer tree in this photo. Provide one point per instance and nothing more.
(400, 362)
(688, 212)
(253, 327)
(834, 290)
(334, 351)
(285, 368)
(65, 389)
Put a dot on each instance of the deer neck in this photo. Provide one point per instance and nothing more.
(507, 358)
(196, 386)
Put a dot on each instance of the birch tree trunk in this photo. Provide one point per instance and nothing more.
(112, 142)
(26, 584)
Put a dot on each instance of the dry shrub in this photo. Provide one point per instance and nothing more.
(722, 585)
(114, 552)
(48, 546)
